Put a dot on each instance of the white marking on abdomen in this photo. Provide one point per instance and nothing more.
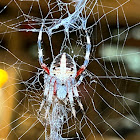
(63, 64)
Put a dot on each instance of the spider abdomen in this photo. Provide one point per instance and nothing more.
(63, 67)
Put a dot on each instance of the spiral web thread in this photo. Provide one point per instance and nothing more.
(106, 87)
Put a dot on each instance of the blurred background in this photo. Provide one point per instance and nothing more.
(116, 41)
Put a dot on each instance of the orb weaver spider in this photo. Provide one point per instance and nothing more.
(60, 79)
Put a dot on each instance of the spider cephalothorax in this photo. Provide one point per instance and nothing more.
(60, 79)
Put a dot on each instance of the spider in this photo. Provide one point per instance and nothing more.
(60, 79)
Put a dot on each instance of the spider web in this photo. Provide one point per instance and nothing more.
(110, 89)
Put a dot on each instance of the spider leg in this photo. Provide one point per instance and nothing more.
(70, 96)
(86, 61)
(80, 79)
(46, 90)
(50, 96)
(75, 91)
(40, 51)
